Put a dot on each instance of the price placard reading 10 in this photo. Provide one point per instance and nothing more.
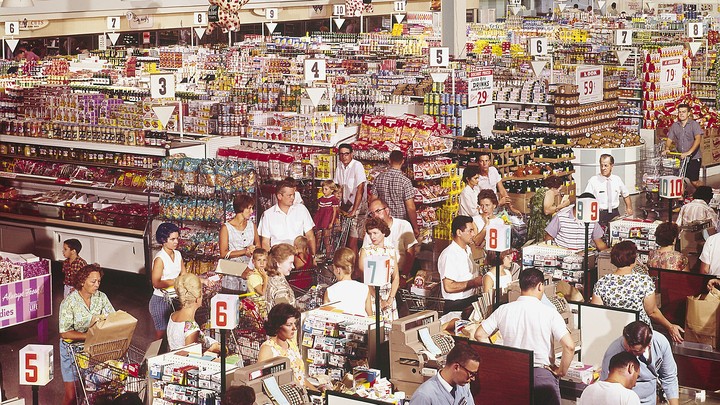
(439, 57)
(671, 187)
(162, 85)
(339, 10)
(671, 72)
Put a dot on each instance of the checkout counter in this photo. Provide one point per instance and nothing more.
(269, 379)
(417, 349)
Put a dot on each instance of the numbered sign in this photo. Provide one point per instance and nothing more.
(200, 18)
(497, 237)
(224, 311)
(480, 87)
(671, 72)
(695, 30)
(339, 10)
(12, 28)
(439, 57)
(589, 80)
(538, 46)
(400, 6)
(377, 270)
(36, 364)
(671, 187)
(315, 70)
(113, 23)
(271, 13)
(586, 210)
(162, 85)
(623, 37)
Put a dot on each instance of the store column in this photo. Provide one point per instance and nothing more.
(454, 35)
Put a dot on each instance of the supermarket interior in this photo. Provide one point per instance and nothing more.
(359, 201)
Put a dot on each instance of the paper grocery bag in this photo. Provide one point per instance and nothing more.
(109, 336)
(701, 321)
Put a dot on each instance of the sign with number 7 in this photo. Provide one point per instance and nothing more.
(377, 270)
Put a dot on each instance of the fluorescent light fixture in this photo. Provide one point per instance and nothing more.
(18, 3)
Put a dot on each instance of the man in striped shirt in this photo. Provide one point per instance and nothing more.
(569, 233)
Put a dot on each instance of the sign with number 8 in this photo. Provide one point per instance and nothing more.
(497, 237)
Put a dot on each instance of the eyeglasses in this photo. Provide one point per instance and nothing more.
(344, 153)
(471, 375)
(377, 211)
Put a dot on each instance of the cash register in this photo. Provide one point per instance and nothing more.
(269, 379)
(417, 349)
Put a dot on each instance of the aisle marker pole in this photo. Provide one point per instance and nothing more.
(586, 263)
(377, 326)
(497, 283)
(223, 356)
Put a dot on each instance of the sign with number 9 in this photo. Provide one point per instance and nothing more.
(224, 311)
(586, 210)
(36, 364)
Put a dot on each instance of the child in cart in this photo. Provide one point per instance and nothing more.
(257, 277)
(327, 212)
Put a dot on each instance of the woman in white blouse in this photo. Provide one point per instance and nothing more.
(468, 196)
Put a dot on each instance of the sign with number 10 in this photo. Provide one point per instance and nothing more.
(224, 311)
(377, 270)
(671, 187)
(586, 210)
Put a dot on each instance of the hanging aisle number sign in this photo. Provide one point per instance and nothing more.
(497, 237)
(271, 13)
(695, 30)
(439, 57)
(339, 10)
(671, 72)
(480, 87)
(538, 46)
(12, 28)
(623, 37)
(589, 80)
(671, 187)
(200, 18)
(377, 270)
(113, 23)
(36, 364)
(315, 70)
(162, 85)
(224, 311)
(586, 210)
(400, 6)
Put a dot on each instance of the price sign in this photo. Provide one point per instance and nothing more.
(439, 57)
(377, 270)
(200, 18)
(315, 70)
(400, 6)
(497, 237)
(162, 85)
(586, 210)
(671, 187)
(113, 23)
(695, 30)
(36, 364)
(623, 37)
(224, 311)
(12, 28)
(538, 46)
(271, 13)
(671, 72)
(480, 87)
(589, 80)
(339, 10)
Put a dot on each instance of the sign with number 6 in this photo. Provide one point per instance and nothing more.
(12, 28)
(671, 187)
(224, 311)
(36, 364)
(538, 46)
(586, 210)
(497, 237)
(377, 270)
(113, 23)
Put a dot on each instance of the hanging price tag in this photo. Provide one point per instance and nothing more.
(439, 57)
(271, 13)
(400, 6)
(200, 18)
(497, 237)
(36, 364)
(315, 70)
(695, 30)
(586, 210)
(671, 187)
(224, 311)
(113, 23)
(589, 80)
(480, 87)
(162, 85)
(671, 72)
(12, 28)
(377, 270)
(538, 46)
(339, 10)
(623, 37)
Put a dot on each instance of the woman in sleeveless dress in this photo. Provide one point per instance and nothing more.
(167, 266)
(378, 230)
(239, 236)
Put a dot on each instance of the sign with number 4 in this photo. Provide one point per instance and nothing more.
(224, 311)
(671, 187)
(439, 57)
(377, 270)
(271, 13)
(162, 85)
(12, 28)
(623, 37)
(538, 46)
(36, 364)
(113, 23)
(315, 70)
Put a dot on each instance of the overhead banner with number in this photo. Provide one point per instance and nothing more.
(589, 80)
(480, 87)
(671, 72)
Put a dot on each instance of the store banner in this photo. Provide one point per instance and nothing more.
(480, 87)
(25, 300)
(671, 72)
(589, 80)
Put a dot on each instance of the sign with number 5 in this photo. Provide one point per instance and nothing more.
(439, 57)
(36, 364)
(224, 311)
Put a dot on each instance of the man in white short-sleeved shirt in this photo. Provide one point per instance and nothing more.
(402, 237)
(285, 221)
(531, 325)
(350, 177)
(607, 189)
(455, 266)
(617, 388)
(710, 256)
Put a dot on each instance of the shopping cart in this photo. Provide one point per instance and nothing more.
(416, 303)
(333, 239)
(322, 277)
(107, 370)
(656, 166)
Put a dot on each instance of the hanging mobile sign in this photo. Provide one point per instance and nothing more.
(12, 28)
(695, 30)
(480, 87)
(339, 10)
(623, 37)
(162, 85)
(113, 23)
(439, 57)
(271, 13)
(589, 80)
(538, 46)
(315, 70)
(671, 72)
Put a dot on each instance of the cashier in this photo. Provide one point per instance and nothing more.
(76, 313)
(455, 266)
(450, 385)
(281, 326)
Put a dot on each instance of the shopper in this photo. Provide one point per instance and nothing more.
(350, 176)
(281, 326)
(76, 312)
(613, 10)
(623, 372)
(397, 191)
(468, 196)
(665, 256)
(285, 221)
(280, 264)
(327, 213)
(455, 265)
(239, 395)
(167, 266)
(73, 262)
(567, 231)
(710, 256)
(687, 135)
(509, 271)
(699, 210)
(303, 264)
(607, 189)
(487, 205)
(657, 365)
(450, 384)
(627, 289)
(713, 283)
(401, 236)
(543, 206)
(239, 236)
(346, 294)
(257, 277)
(378, 231)
(182, 330)
(531, 325)
(490, 178)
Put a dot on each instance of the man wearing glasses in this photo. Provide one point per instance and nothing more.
(350, 176)
(401, 236)
(450, 385)
(531, 325)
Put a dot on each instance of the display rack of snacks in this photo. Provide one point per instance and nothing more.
(555, 261)
(577, 119)
(446, 102)
(666, 71)
(630, 108)
(642, 233)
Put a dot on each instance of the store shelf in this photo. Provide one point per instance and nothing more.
(345, 134)
(105, 147)
(629, 115)
(80, 163)
(702, 82)
(630, 98)
(112, 230)
(546, 160)
(521, 103)
(75, 183)
(432, 200)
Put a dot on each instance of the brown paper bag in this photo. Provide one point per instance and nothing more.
(702, 319)
(109, 336)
